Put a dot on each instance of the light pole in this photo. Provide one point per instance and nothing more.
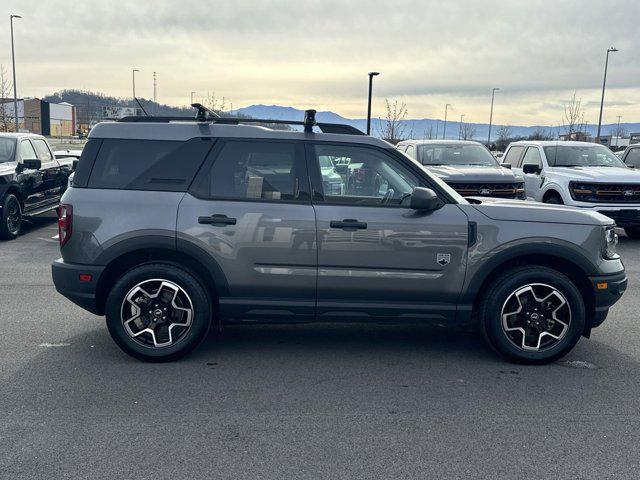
(444, 129)
(460, 130)
(371, 75)
(133, 72)
(493, 94)
(604, 83)
(155, 88)
(192, 94)
(618, 132)
(13, 59)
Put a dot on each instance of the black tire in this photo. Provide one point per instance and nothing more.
(200, 319)
(502, 290)
(633, 232)
(554, 199)
(9, 224)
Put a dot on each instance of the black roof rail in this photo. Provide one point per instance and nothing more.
(205, 115)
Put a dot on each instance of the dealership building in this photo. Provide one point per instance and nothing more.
(40, 116)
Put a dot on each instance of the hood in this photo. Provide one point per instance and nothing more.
(472, 173)
(599, 174)
(519, 211)
(7, 167)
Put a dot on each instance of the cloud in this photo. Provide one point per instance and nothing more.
(317, 53)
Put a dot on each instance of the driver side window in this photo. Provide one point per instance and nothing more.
(532, 157)
(26, 150)
(372, 178)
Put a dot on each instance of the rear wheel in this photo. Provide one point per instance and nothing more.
(532, 315)
(633, 232)
(158, 312)
(10, 217)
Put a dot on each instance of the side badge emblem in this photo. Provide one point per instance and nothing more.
(443, 259)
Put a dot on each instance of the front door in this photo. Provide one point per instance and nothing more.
(377, 257)
(250, 210)
(532, 181)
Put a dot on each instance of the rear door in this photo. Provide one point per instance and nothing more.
(250, 211)
(376, 257)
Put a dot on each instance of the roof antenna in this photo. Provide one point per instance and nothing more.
(140, 105)
(309, 120)
(204, 113)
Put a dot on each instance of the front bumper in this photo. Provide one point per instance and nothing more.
(623, 215)
(78, 283)
(608, 289)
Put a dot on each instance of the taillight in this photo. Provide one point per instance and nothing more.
(65, 223)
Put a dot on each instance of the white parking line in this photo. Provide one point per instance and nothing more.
(55, 237)
(54, 345)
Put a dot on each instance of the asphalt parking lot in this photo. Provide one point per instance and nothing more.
(320, 401)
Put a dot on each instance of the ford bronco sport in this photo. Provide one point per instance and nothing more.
(175, 224)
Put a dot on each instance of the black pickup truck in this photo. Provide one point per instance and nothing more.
(32, 179)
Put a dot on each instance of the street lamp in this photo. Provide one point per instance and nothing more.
(13, 59)
(371, 75)
(460, 130)
(604, 82)
(493, 94)
(133, 72)
(444, 129)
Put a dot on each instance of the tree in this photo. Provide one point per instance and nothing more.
(429, 132)
(504, 136)
(541, 134)
(619, 131)
(7, 121)
(393, 128)
(467, 131)
(573, 120)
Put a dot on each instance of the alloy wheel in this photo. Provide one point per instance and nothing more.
(157, 313)
(14, 215)
(535, 317)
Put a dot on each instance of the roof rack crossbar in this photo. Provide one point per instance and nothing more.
(308, 123)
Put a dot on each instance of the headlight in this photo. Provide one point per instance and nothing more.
(610, 242)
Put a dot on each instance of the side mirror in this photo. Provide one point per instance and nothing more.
(630, 166)
(506, 165)
(530, 168)
(32, 164)
(342, 169)
(424, 199)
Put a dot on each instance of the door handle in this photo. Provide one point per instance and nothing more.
(217, 219)
(348, 223)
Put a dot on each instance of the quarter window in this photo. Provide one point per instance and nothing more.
(271, 171)
(513, 155)
(26, 150)
(372, 177)
(148, 164)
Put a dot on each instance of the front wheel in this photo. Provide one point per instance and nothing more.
(10, 217)
(158, 312)
(532, 315)
(633, 232)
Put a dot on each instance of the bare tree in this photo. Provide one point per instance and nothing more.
(6, 122)
(573, 120)
(467, 131)
(619, 131)
(504, 136)
(429, 133)
(393, 128)
(541, 134)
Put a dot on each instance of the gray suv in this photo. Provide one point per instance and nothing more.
(174, 225)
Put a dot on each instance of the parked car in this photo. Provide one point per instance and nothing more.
(631, 156)
(74, 155)
(165, 232)
(468, 167)
(32, 180)
(580, 174)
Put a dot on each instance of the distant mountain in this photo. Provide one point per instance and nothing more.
(418, 128)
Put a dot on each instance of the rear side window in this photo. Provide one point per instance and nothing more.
(513, 155)
(255, 170)
(148, 164)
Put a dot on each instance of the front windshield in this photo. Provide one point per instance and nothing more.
(455, 154)
(581, 156)
(7, 149)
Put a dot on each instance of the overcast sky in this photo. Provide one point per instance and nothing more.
(317, 54)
